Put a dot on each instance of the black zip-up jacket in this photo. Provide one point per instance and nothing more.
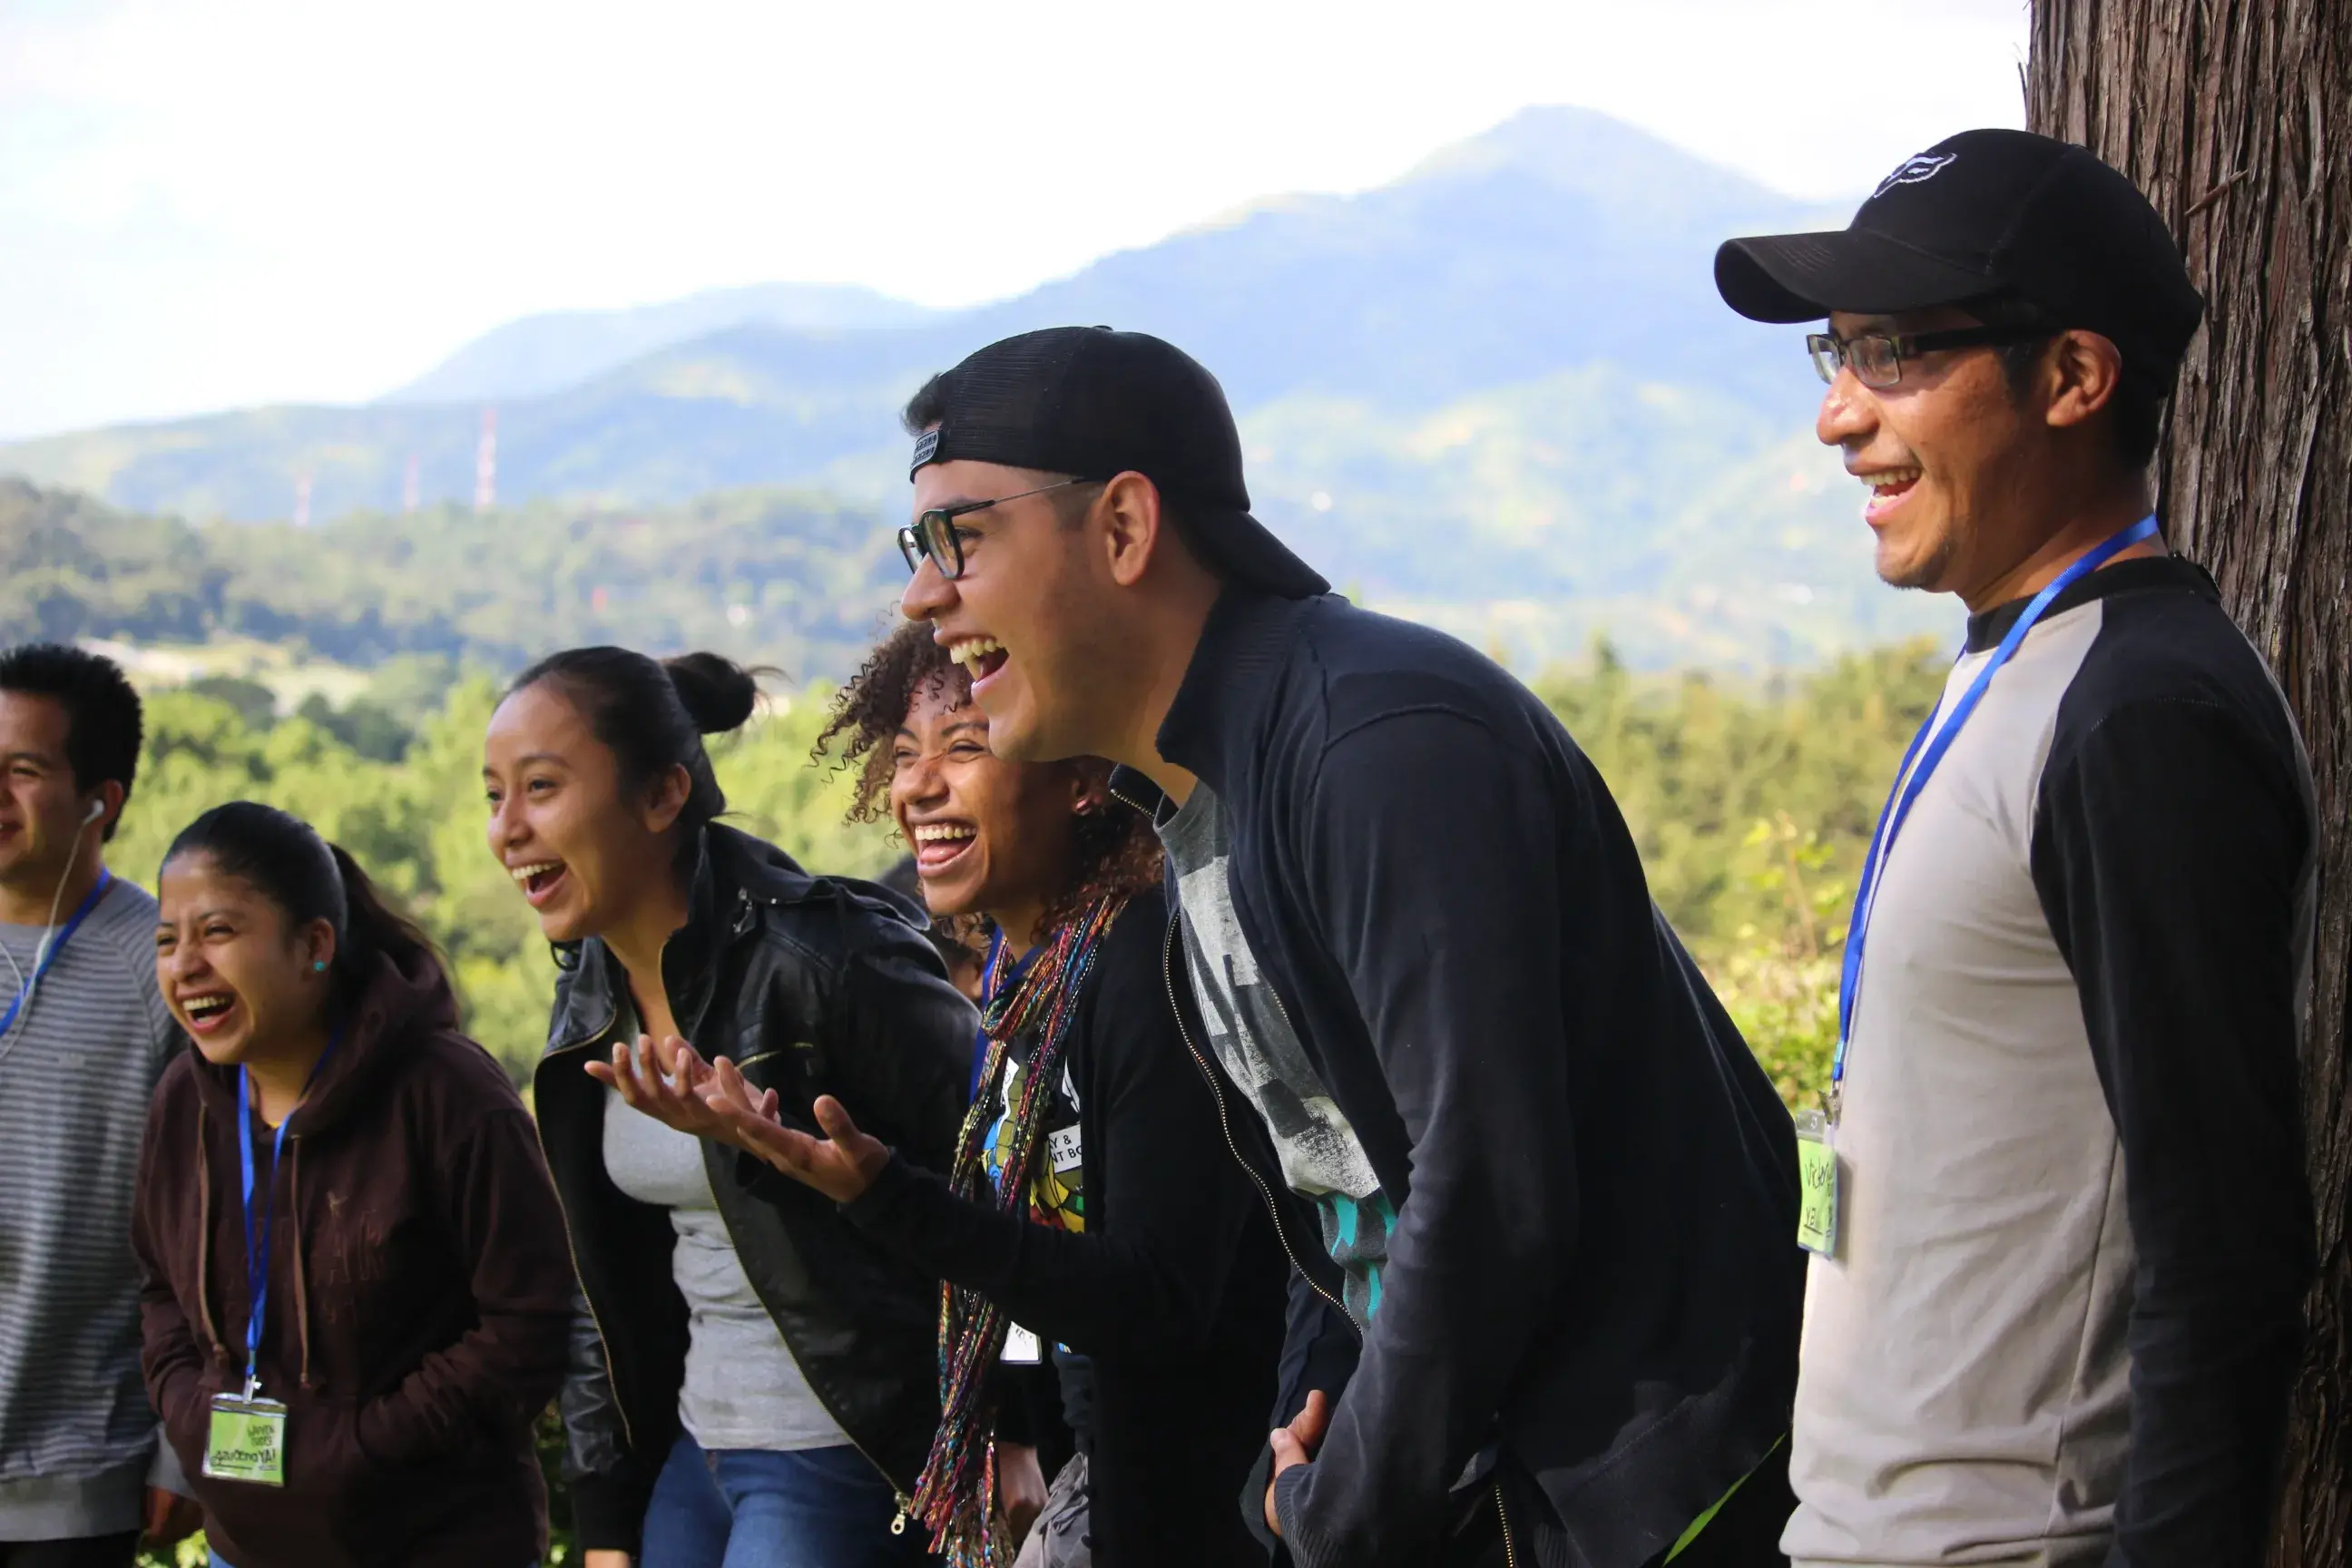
(812, 985)
(1174, 1291)
(1593, 1264)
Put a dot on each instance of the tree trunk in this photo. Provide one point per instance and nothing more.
(2235, 117)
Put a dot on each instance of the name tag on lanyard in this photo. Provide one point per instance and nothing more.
(1817, 1185)
(246, 1440)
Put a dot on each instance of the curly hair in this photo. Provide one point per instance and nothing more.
(1117, 852)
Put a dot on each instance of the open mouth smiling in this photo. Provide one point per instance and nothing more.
(981, 657)
(208, 1011)
(939, 845)
(539, 880)
(1887, 489)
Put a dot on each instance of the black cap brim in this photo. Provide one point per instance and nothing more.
(1243, 549)
(1790, 278)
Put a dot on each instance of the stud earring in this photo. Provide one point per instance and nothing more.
(319, 964)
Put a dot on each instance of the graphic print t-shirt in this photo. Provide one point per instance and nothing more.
(1058, 1176)
(1321, 1156)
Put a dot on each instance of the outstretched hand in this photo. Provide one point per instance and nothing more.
(665, 1081)
(1296, 1445)
(842, 1164)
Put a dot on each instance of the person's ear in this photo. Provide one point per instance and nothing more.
(669, 798)
(2080, 371)
(317, 947)
(1133, 526)
(105, 803)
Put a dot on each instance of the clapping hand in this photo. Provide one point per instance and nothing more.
(842, 1164)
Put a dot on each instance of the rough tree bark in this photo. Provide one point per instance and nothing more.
(2235, 117)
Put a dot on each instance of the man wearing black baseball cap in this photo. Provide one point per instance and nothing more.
(2055, 1196)
(1537, 1192)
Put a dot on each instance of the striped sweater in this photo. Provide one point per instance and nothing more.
(75, 1072)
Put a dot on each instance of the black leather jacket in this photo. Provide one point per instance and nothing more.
(812, 985)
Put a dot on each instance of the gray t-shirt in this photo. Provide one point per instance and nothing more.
(76, 1073)
(1255, 1043)
(742, 1388)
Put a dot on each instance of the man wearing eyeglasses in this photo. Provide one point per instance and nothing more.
(1538, 1194)
(2057, 1204)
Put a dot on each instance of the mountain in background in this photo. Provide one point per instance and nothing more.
(1499, 393)
(556, 349)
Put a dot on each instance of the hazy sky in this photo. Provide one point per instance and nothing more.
(211, 203)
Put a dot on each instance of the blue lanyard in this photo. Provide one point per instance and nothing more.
(49, 956)
(256, 1248)
(1927, 748)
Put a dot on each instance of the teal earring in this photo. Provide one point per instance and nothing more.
(320, 964)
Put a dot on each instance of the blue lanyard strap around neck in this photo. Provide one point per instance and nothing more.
(49, 959)
(256, 1243)
(1927, 750)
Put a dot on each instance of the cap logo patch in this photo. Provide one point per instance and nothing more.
(1914, 171)
(927, 446)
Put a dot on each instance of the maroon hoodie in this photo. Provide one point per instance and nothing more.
(420, 1290)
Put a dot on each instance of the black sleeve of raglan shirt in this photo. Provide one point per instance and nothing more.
(1155, 1275)
(1457, 984)
(2169, 847)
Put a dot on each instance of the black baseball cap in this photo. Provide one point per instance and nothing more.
(1094, 404)
(1987, 214)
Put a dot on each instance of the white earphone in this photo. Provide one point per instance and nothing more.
(97, 809)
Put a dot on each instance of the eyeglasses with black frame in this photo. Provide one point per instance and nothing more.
(934, 533)
(1876, 358)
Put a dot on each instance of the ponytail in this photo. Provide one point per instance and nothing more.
(283, 859)
(372, 926)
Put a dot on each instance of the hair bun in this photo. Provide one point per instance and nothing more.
(719, 693)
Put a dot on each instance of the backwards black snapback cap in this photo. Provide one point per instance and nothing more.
(1982, 213)
(1094, 404)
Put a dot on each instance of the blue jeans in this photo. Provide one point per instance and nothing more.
(748, 1508)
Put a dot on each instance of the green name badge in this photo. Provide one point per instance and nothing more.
(1817, 1185)
(247, 1441)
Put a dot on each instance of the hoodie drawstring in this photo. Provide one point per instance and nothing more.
(205, 1238)
(301, 1291)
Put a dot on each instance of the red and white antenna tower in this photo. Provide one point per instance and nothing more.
(408, 485)
(485, 463)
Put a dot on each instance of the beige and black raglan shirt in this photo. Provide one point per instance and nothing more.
(2065, 1308)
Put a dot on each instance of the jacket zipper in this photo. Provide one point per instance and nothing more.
(603, 1346)
(1503, 1517)
(1168, 975)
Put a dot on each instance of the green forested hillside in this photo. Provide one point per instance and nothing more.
(774, 575)
(1507, 541)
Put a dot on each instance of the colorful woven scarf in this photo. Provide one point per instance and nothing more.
(955, 1500)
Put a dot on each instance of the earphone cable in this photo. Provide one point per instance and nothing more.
(32, 989)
